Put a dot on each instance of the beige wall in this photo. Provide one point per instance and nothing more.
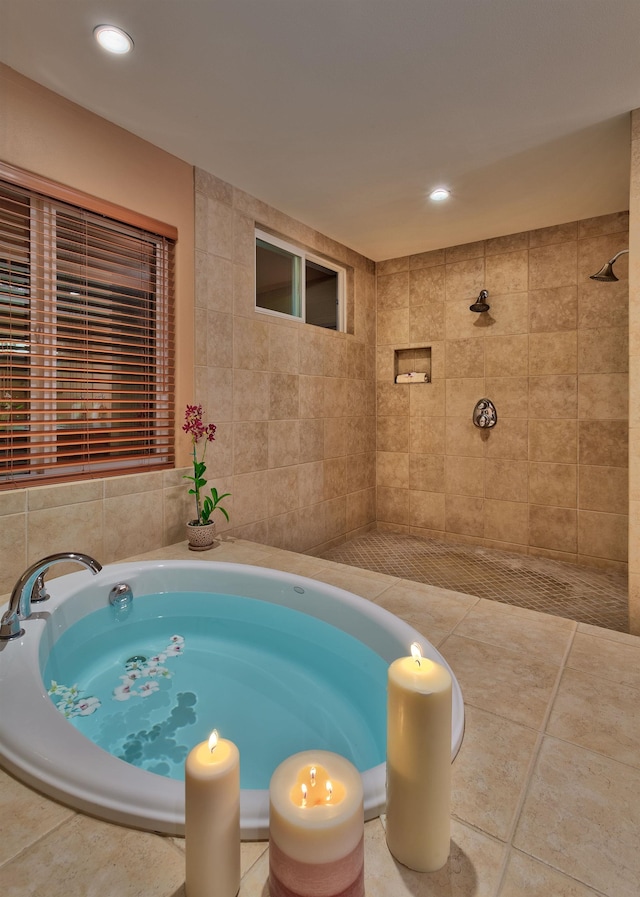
(634, 387)
(294, 403)
(44, 133)
(552, 354)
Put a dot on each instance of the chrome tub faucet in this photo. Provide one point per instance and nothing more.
(30, 587)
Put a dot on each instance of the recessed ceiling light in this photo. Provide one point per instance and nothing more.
(113, 39)
(439, 194)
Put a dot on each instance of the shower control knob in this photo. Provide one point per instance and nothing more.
(485, 415)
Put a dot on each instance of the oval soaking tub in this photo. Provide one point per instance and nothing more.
(289, 663)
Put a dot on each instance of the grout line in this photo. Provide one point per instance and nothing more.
(72, 815)
(541, 735)
(257, 859)
(580, 884)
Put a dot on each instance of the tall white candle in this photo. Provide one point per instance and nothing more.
(212, 819)
(316, 827)
(419, 762)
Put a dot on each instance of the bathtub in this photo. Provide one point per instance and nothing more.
(43, 749)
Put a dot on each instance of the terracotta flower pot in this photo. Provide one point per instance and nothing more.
(201, 538)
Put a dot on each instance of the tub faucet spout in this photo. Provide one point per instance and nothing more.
(30, 583)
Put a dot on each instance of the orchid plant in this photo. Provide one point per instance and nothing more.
(205, 504)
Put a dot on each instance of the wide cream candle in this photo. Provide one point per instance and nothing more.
(212, 819)
(316, 827)
(419, 762)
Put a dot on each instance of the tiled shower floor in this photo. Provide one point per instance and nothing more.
(584, 594)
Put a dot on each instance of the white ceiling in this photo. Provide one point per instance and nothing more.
(345, 113)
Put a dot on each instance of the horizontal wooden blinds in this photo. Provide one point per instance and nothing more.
(86, 342)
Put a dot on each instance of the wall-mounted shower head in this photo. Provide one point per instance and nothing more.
(481, 303)
(605, 274)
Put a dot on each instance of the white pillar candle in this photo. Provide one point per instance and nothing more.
(212, 819)
(419, 762)
(316, 827)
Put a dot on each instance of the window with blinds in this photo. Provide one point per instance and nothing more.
(86, 339)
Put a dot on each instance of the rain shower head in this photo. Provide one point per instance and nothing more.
(605, 274)
(481, 303)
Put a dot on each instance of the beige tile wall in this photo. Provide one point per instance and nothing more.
(634, 385)
(552, 354)
(294, 404)
(109, 519)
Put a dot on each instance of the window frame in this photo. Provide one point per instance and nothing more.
(303, 255)
(153, 327)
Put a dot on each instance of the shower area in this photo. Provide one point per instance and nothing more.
(518, 321)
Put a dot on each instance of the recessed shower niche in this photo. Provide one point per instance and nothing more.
(412, 365)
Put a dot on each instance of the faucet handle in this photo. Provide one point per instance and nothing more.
(10, 626)
(39, 591)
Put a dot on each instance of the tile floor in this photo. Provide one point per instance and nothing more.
(584, 594)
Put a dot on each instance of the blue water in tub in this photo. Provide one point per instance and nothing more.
(148, 685)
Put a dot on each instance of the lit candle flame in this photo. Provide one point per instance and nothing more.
(416, 652)
(213, 740)
(303, 788)
(329, 788)
(312, 776)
